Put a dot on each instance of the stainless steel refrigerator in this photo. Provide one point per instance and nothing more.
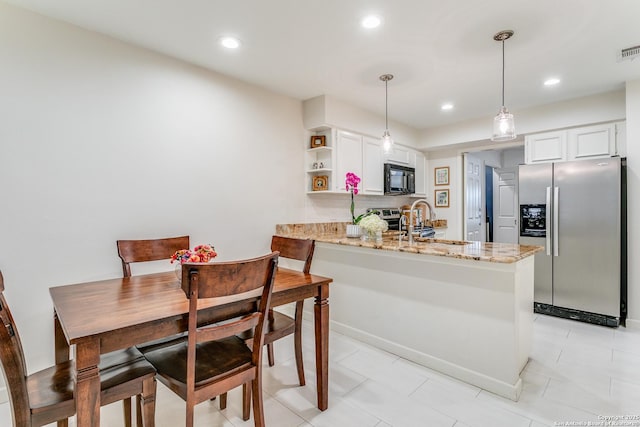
(577, 211)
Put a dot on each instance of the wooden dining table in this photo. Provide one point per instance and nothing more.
(107, 315)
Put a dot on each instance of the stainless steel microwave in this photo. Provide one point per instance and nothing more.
(399, 180)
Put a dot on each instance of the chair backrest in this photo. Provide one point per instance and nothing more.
(148, 250)
(222, 279)
(298, 249)
(13, 363)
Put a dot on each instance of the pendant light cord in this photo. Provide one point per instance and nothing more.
(503, 73)
(386, 105)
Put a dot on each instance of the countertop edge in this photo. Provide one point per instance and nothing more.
(334, 233)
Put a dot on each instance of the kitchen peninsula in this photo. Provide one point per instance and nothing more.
(462, 308)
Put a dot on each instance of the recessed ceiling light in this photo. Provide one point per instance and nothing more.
(551, 82)
(447, 106)
(230, 42)
(371, 21)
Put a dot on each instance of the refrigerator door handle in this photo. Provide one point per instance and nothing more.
(556, 225)
(547, 239)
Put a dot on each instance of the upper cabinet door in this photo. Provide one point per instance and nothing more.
(373, 166)
(400, 155)
(421, 177)
(592, 142)
(348, 157)
(546, 147)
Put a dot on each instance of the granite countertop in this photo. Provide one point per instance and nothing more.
(335, 232)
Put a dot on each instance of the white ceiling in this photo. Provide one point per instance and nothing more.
(439, 51)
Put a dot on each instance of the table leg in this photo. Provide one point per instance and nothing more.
(321, 318)
(87, 384)
(61, 344)
(61, 352)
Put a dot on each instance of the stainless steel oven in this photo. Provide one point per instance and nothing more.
(391, 215)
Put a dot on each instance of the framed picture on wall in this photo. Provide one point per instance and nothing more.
(442, 198)
(441, 176)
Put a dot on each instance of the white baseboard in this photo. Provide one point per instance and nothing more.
(633, 324)
(510, 391)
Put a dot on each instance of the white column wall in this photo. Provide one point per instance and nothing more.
(633, 200)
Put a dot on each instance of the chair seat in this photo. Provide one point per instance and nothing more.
(54, 385)
(278, 327)
(119, 357)
(213, 359)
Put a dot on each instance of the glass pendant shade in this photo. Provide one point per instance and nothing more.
(387, 142)
(503, 126)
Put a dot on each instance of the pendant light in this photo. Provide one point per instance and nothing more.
(503, 126)
(387, 141)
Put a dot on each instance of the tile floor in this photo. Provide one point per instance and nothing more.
(577, 372)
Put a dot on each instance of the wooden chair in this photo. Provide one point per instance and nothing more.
(133, 251)
(213, 360)
(280, 325)
(47, 396)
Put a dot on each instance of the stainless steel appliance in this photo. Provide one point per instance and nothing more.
(576, 210)
(399, 180)
(391, 215)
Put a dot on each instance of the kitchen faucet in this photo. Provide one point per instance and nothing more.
(432, 216)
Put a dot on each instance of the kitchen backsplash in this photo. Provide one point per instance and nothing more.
(336, 207)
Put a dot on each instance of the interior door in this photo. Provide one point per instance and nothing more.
(474, 200)
(505, 205)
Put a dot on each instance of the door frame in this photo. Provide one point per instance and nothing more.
(483, 225)
(462, 152)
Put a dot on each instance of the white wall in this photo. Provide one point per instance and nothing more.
(101, 141)
(633, 200)
(453, 214)
(512, 157)
(492, 158)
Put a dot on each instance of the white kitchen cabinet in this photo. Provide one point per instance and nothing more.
(586, 142)
(363, 155)
(545, 147)
(399, 155)
(372, 166)
(348, 157)
(592, 142)
(420, 163)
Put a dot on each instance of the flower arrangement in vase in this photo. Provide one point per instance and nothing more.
(351, 184)
(201, 253)
(374, 226)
